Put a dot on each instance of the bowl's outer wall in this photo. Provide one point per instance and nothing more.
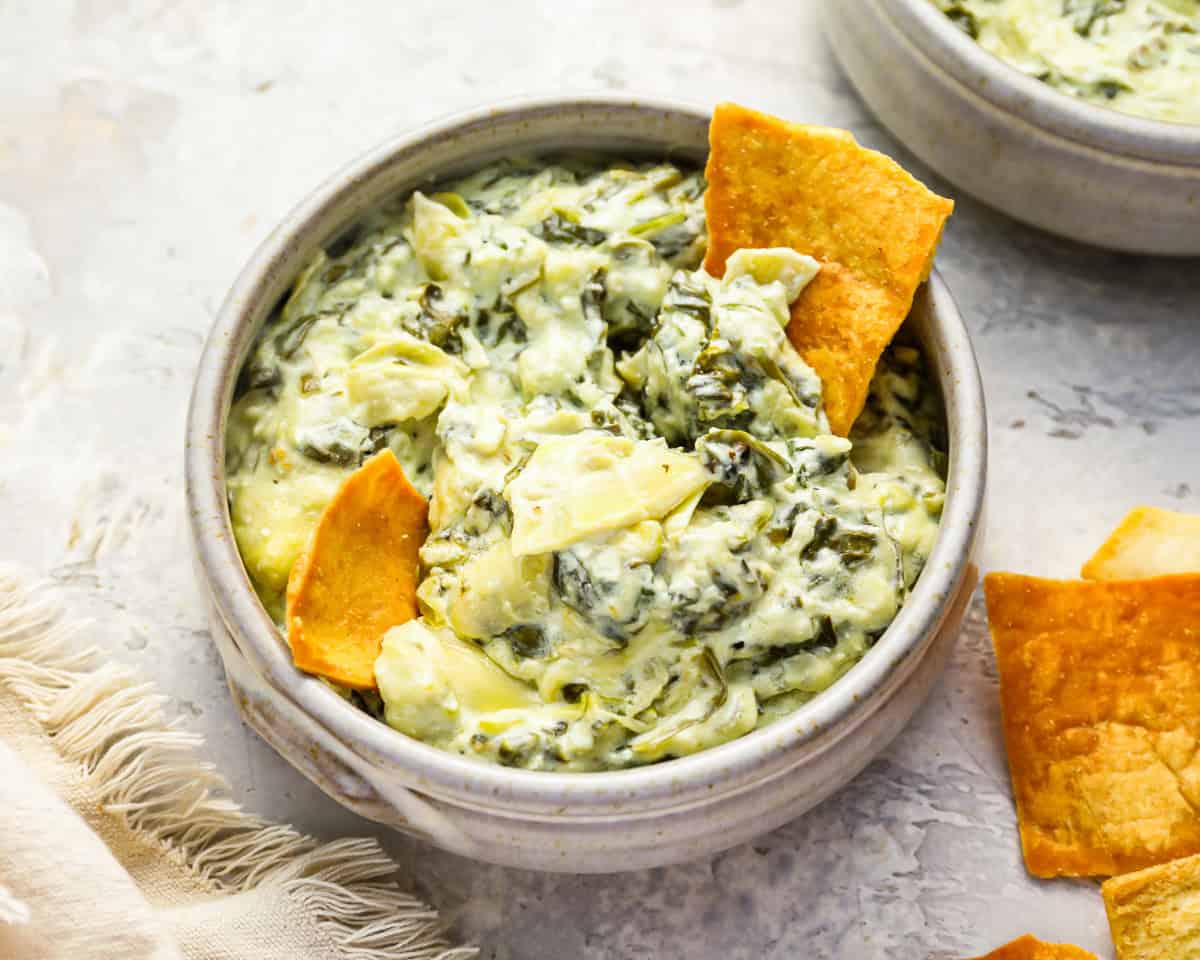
(574, 822)
(600, 844)
(1010, 149)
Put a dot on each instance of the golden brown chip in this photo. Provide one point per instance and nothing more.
(1154, 914)
(1148, 543)
(873, 227)
(1100, 689)
(1030, 947)
(358, 576)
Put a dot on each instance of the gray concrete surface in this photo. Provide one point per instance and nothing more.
(147, 147)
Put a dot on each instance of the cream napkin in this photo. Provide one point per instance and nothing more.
(116, 843)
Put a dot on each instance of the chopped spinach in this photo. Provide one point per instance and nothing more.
(618, 609)
(853, 547)
(1085, 14)
(340, 441)
(528, 641)
(742, 467)
(556, 228)
(714, 603)
(811, 460)
(1109, 89)
(435, 323)
(721, 385)
(823, 531)
(258, 376)
(341, 244)
(629, 324)
(495, 324)
(573, 692)
(487, 509)
(964, 19)
(826, 635)
(291, 337)
(591, 300)
(688, 295)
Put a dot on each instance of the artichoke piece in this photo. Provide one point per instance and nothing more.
(431, 681)
(497, 592)
(702, 710)
(454, 203)
(400, 379)
(435, 322)
(591, 482)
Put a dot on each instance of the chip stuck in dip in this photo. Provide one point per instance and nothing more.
(647, 533)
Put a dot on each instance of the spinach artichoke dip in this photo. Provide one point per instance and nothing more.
(1137, 56)
(643, 538)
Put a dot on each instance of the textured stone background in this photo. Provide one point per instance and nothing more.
(147, 147)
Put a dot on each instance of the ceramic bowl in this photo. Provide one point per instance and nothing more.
(1044, 157)
(577, 822)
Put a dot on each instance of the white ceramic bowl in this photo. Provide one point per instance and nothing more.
(1042, 156)
(584, 822)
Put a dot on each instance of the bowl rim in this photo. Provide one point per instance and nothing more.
(1005, 86)
(449, 776)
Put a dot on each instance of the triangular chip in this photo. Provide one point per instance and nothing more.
(870, 224)
(1154, 914)
(1030, 947)
(1148, 543)
(1100, 689)
(357, 577)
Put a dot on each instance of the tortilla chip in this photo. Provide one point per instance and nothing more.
(1100, 689)
(1030, 947)
(1148, 543)
(873, 227)
(358, 576)
(1154, 914)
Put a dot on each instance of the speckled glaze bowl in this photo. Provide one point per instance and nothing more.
(1036, 153)
(582, 822)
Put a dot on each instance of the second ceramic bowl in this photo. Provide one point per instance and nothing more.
(1037, 154)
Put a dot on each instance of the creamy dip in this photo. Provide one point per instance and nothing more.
(1136, 56)
(644, 540)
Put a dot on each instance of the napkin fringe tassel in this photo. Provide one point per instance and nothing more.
(145, 769)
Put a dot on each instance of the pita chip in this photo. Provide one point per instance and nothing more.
(873, 228)
(358, 576)
(1100, 691)
(1149, 542)
(1030, 947)
(1154, 914)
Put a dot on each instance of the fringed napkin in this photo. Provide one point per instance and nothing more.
(117, 843)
